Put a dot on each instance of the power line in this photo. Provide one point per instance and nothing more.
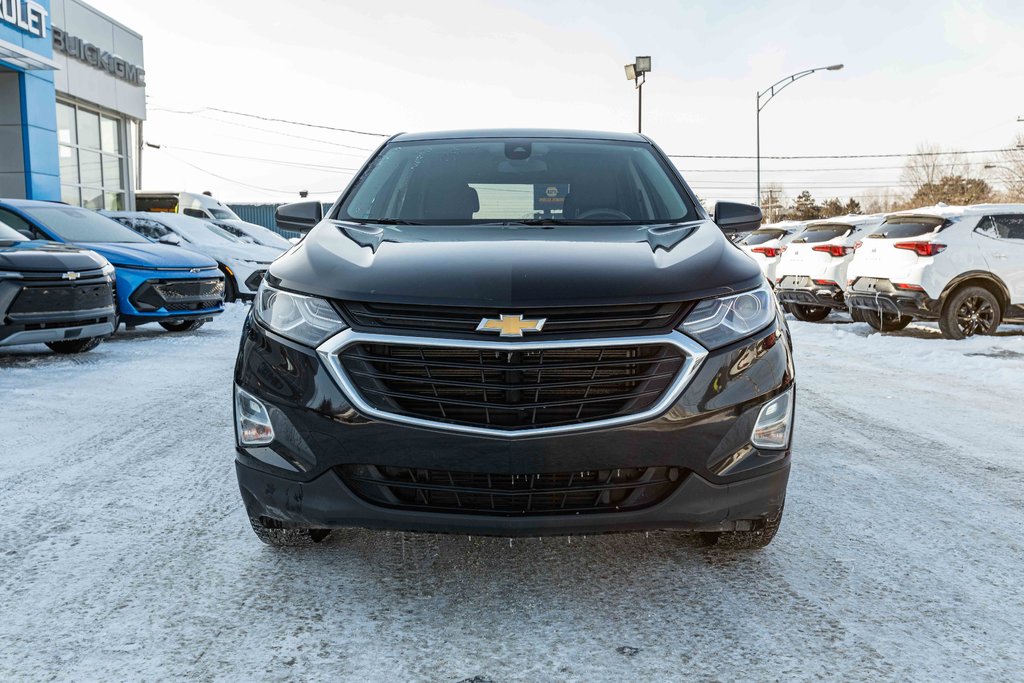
(293, 164)
(843, 156)
(239, 182)
(810, 170)
(274, 120)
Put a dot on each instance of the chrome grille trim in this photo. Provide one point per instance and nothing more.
(693, 352)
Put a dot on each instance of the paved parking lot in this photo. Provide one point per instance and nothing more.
(126, 553)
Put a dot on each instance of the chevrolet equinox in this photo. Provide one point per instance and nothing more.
(515, 333)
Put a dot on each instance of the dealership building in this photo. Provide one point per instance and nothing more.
(72, 103)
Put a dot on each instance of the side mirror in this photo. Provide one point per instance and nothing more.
(300, 216)
(170, 238)
(734, 218)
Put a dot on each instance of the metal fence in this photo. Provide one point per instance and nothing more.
(263, 214)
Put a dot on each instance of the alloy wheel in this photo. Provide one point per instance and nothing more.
(975, 316)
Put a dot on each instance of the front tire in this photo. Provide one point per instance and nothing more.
(276, 534)
(858, 315)
(809, 314)
(182, 325)
(759, 537)
(886, 322)
(72, 346)
(970, 311)
(230, 288)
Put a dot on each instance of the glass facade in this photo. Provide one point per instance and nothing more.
(93, 158)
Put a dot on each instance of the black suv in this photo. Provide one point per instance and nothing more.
(53, 294)
(515, 332)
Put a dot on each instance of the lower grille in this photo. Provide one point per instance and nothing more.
(59, 299)
(512, 494)
(178, 295)
(512, 389)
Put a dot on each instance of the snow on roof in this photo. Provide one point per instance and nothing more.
(854, 219)
(948, 211)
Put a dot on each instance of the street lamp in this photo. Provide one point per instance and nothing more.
(1018, 177)
(771, 92)
(637, 71)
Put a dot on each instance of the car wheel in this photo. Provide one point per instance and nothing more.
(182, 325)
(858, 315)
(70, 346)
(230, 288)
(758, 537)
(275, 533)
(970, 311)
(886, 322)
(809, 314)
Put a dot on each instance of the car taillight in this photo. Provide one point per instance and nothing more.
(908, 287)
(858, 245)
(922, 248)
(826, 283)
(834, 250)
(770, 252)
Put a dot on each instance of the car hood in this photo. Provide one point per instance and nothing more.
(276, 241)
(149, 255)
(516, 266)
(227, 251)
(39, 256)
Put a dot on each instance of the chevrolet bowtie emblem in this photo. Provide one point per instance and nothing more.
(70, 275)
(511, 325)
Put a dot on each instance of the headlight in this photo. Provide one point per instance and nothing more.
(719, 322)
(305, 319)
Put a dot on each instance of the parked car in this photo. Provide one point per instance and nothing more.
(255, 233)
(243, 264)
(439, 357)
(960, 265)
(810, 278)
(53, 294)
(767, 244)
(175, 287)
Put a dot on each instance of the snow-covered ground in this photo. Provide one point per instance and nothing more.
(125, 553)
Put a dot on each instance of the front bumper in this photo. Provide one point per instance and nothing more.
(805, 292)
(41, 308)
(148, 295)
(704, 434)
(875, 294)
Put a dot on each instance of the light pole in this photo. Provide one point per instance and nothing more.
(637, 71)
(1017, 176)
(771, 91)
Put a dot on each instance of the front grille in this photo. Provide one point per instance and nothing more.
(62, 298)
(514, 389)
(512, 494)
(178, 295)
(578, 321)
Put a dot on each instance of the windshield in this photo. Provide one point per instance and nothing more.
(822, 234)
(72, 224)
(222, 233)
(9, 234)
(486, 181)
(223, 214)
(900, 227)
(762, 236)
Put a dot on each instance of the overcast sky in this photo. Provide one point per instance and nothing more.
(949, 73)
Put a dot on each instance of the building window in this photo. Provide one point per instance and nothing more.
(92, 158)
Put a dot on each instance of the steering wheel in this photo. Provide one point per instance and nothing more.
(593, 213)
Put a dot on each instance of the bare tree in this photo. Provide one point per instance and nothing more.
(773, 202)
(1009, 169)
(884, 200)
(932, 165)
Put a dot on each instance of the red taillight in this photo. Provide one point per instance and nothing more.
(908, 287)
(834, 250)
(826, 283)
(922, 248)
(770, 252)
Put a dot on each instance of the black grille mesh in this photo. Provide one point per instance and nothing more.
(512, 494)
(511, 390)
(575, 320)
(60, 298)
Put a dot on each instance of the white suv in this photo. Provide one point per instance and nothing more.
(811, 276)
(960, 265)
(766, 244)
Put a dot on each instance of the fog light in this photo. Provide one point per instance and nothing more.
(774, 423)
(252, 422)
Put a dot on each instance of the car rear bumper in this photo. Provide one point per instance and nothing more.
(305, 477)
(806, 292)
(884, 297)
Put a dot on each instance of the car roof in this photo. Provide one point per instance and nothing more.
(947, 211)
(518, 133)
(29, 203)
(854, 219)
(783, 225)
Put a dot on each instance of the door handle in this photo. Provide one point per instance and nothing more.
(999, 256)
